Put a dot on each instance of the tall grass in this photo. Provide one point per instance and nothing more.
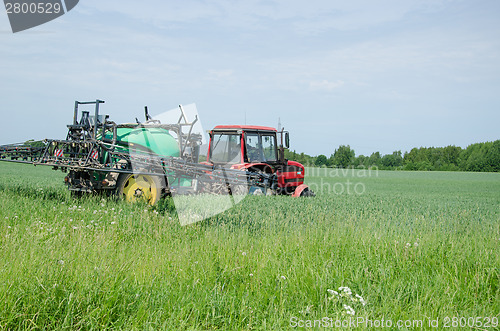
(413, 245)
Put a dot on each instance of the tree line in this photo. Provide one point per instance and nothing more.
(483, 157)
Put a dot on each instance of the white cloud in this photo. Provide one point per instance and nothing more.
(325, 85)
(313, 17)
(220, 74)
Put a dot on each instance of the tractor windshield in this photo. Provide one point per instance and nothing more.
(261, 147)
(226, 148)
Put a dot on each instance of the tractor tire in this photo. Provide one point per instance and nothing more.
(239, 189)
(303, 191)
(307, 193)
(133, 188)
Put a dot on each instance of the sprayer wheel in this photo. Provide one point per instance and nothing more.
(134, 188)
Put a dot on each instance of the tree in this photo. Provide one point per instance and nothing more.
(411, 156)
(321, 160)
(343, 156)
(375, 159)
(474, 157)
(398, 159)
(361, 161)
(493, 156)
(331, 161)
(392, 160)
(451, 154)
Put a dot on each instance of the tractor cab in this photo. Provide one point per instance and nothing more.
(243, 144)
(257, 148)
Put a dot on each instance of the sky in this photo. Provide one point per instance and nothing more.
(375, 75)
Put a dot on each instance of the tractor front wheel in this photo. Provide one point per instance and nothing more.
(303, 191)
(134, 188)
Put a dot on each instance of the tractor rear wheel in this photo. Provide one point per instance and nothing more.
(134, 188)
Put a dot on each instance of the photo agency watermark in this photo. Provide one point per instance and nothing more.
(340, 181)
(452, 322)
(26, 14)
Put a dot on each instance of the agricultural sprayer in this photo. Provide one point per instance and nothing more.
(150, 160)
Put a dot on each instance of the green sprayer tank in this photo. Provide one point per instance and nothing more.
(150, 140)
(155, 140)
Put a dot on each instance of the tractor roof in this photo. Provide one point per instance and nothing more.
(244, 127)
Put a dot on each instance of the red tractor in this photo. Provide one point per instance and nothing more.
(256, 149)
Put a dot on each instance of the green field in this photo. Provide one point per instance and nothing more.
(413, 245)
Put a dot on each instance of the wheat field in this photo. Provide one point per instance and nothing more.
(371, 245)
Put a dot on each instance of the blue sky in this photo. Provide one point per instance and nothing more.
(377, 75)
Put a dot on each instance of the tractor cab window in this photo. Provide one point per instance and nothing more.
(226, 148)
(269, 147)
(260, 147)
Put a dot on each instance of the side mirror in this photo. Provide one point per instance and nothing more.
(287, 140)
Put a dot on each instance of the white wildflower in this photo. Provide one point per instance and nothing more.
(306, 311)
(349, 310)
(346, 290)
(408, 245)
(113, 222)
(244, 253)
(283, 277)
(363, 302)
(332, 292)
(251, 275)
(415, 244)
